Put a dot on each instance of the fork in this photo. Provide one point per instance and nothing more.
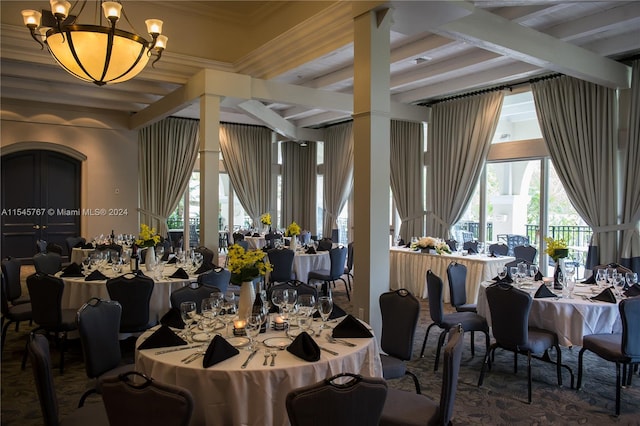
(332, 339)
(267, 353)
(273, 358)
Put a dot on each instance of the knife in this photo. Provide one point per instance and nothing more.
(329, 350)
(181, 348)
(251, 355)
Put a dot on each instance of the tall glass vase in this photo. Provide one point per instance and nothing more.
(294, 242)
(150, 259)
(247, 297)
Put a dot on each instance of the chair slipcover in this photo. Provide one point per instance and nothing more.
(12, 313)
(527, 253)
(282, 262)
(499, 249)
(191, 293)
(216, 277)
(457, 276)
(47, 263)
(11, 270)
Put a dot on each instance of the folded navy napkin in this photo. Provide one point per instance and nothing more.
(219, 350)
(95, 276)
(173, 260)
(538, 276)
(162, 338)
(180, 273)
(351, 327)
(590, 280)
(543, 291)
(605, 296)
(304, 347)
(172, 318)
(633, 291)
(336, 312)
(507, 279)
(310, 250)
(73, 270)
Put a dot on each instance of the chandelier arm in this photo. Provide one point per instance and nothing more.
(35, 37)
(72, 49)
(158, 56)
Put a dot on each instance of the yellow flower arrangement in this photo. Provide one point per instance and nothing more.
(246, 265)
(556, 249)
(148, 237)
(265, 219)
(293, 229)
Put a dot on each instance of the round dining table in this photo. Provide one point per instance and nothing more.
(303, 263)
(227, 394)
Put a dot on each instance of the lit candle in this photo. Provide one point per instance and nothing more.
(279, 320)
(239, 324)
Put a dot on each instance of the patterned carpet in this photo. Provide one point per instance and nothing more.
(500, 401)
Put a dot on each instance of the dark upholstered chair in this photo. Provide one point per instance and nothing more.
(510, 308)
(348, 269)
(400, 312)
(282, 262)
(74, 242)
(92, 414)
(133, 293)
(470, 246)
(11, 270)
(623, 349)
(457, 276)
(217, 277)
(134, 399)
(470, 321)
(12, 313)
(47, 263)
(527, 253)
(46, 306)
(338, 258)
(99, 325)
(499, 249)
(407, 409)
(342, 400)
(299, 286)
(193, 292)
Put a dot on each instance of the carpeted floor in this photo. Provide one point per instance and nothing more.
(500, 401)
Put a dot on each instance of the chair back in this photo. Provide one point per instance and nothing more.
(4, 302)
(527, 253)
(54, 248)
(301, 288)
(358, 401)
(238, 236)
(338, 258)
(11, 271)
(349, 267)
(46, 300)
(457, 276)
(434, 290)
(207, 255)
(516, 262)
(400, 312)
(133, 294)
(132, 398)
(74, 242)
(452, 357)
(470, 246)
(509, 309)
(47, 263)
(282, 262)
(243, 243)
(216, 277)
(453, 244)
(41, 246)
(325, 244)
(499, 249)
(191, 293)
(40, 357)
(98, 324)
(305, 237)
(630, 315)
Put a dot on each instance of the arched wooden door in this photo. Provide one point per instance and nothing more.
(40, 200)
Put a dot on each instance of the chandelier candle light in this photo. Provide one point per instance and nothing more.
(94, 53)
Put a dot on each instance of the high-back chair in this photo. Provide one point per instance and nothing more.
(470, 321)
(400, 313)
(282, 262)
(11, 314)
(11, 270)
(47, 263)
(98, 325)
(338, 258)
(527, 253)
(457, 276)
(193, 292)
(133, 398)
(133, 293)
(623, 349)
(470, 246)
(358, 401)
(403, 408)
(216, 277)
(348, 269)
(299, 286)
(74, 242)
(499, 249)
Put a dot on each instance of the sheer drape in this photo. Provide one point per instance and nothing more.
(406, 176)
(630, 252)
(338, 172)
(577, 119)
(167, 152)
(460, 136)
(246, 151)
(299, 185)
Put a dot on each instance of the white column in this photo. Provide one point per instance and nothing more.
(209, 172)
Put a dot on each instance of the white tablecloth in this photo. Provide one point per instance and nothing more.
(256, 243)
(571, 319)
(408, 269)
(77, 254)
(304, 263)
(225, 394)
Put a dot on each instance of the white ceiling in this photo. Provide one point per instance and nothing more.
(439, 49)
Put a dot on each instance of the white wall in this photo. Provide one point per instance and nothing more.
(110, 167)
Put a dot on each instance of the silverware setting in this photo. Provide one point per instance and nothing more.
(329, 351)
(192, 357)
(267, 353)
(181, 348)
(251, 355)
(332, 339)
(273, 359)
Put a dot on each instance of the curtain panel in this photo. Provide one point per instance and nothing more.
(299, 185)
(459, 138)
(578, 123)
(167, 152)
(406, 176)
(246, 153)
(338, 173)
(630, 249)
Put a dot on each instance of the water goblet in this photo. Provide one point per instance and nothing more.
(277, 298)
(86, 262)
(117, 266)
(208, 312)
(290, 299)
(619, 284)
(601, 278)
(188, 311)
(229, 310)
(325, 306)
(252, 328)
(631, 278)
(610, 272)
(513, 271)
(533, 271)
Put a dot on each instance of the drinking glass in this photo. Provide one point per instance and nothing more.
(570, 269)
(601, 278)
(252, 328)
(618, 284)
(325, 306)
(87, 263)
(610, 272)
(632, 278)
(208, 311)
(513, 271)
(290, 299)
(277, 298)
(502, 273)
(188, 312)
(117, 266)
(533, 271)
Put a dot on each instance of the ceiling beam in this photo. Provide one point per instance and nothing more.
(278, 124)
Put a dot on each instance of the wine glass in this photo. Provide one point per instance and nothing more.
(252, 328)
(227, 315)
(86, 262)
(513, 271)
(619, 283)
(325, 306)
(631, 278)
(208, 312)
(188, 312)
(277, 298)
(290, 299)
(601, 278)
(502, 273)
(570, 269)
(533, 271)
(306, 308)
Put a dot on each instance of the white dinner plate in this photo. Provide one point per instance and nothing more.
(200, 337)
(238, 342)
(293, 333)
(277, 342)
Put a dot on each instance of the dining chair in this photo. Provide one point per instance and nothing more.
(299, 286)
(470, 321)
(348, 269)
(133, 398)
(453, 245)
(216, 277)
(41, 246)
(74, 242)
(282, 262)
(338, 257)
(47, 262)
(92, 414)
(619, 348)
(510, 309)
(133, 292)
(345, 399)
(403, 408)
(11, 314)
(498, 249)
(194, 292)
(54, 248)
(237, 237)
(98, 325)
(325, 244)
(527, 253)
(46, 307)
(400, 312)
(11, 269)
(470, 246)
(457, 276)
(207, 259)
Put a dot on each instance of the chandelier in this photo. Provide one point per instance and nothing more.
(95, 53)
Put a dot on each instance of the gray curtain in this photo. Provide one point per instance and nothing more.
(460, 136)
(630, 251)
(578, 124)
(246, 152)
(406, 176)
(299, 185)
(167, 152)
(338, 172)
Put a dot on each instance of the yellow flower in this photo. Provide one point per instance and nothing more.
(293, 229)
(246, 265)
(556, 248)
(148, 237)
(265, 219)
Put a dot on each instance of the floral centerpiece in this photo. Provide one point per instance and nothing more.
(245, 266)
(557, 250)
(148, 237)
(431, 243)
(293, 230)
(265, 219)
